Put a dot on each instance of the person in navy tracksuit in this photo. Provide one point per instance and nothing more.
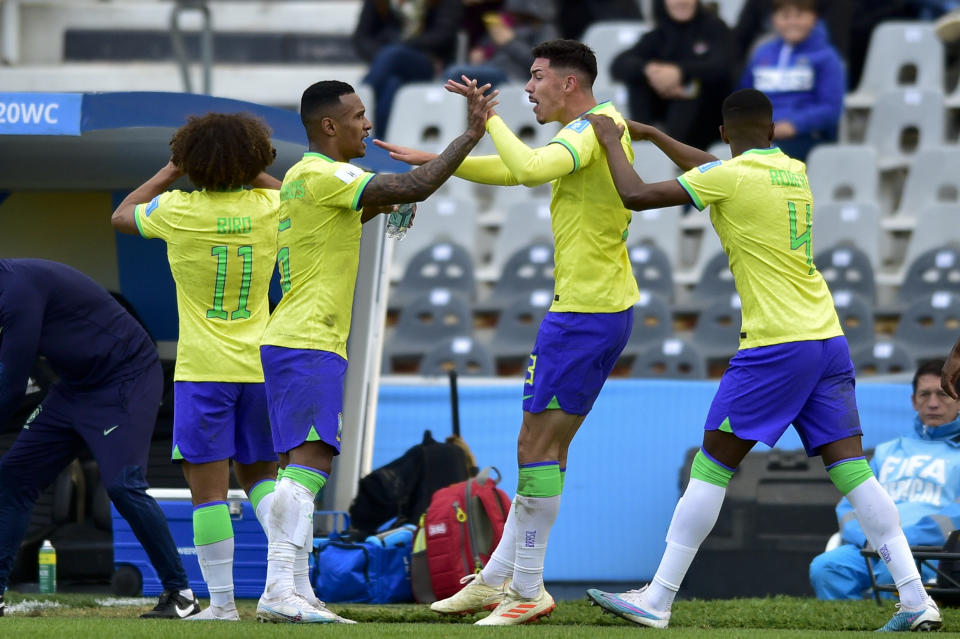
(106, 398)
(803, 76)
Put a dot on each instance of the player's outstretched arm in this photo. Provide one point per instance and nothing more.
(123, 218)
(634, 192)
(951, 371)
(683, 155)
(422, 181)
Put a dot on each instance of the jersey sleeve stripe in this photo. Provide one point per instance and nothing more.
(573, 152)
(356, 198)
(691, 192)
(136, 218)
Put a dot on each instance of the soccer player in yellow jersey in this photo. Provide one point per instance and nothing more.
(222, 247)
(323, 203)
(582, 335)
(793, 366)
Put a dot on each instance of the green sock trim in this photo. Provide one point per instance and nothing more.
(211, 523)
(705, 469)
(312, 480)
(176, 456)
(563, 478)
(261, 490)
(847, 475)
(543, 480)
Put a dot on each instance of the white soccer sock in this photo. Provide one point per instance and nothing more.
(263, 512)
(693, 519)
(534, 518)
(216, 564)
(500, 566)
(880, 520)
(301, 567)
(291, 519)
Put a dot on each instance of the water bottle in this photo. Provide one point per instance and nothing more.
(399, 221)
(47, 567)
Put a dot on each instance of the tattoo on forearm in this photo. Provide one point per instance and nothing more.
(422, 181)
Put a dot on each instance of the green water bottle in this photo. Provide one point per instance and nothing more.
(47, 567)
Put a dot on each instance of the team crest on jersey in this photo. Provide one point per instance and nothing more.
(709, 165)
(339, 424)
(154, 203)
(578, 125)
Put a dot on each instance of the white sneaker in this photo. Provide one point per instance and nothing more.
(474, 597)
(515, 610)
(630, 605)
(217, 613)
(291, 607)
(924, 620)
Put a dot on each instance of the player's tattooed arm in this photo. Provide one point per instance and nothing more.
(634, 192)
(422, 181)
(683, 155)
(123, 218)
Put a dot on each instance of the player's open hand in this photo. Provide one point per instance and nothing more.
(405, 153)
(479, 107)
(639, 130)
(607, 131)
(468, 88)
(949, 374)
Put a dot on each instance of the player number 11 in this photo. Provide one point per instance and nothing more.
(246, 254)
(804, 239)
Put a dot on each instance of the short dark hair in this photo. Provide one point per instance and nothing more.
(747, 106)
(320, 96)
(569, 54)
(802, 5)
(929, 367)
(222, 151)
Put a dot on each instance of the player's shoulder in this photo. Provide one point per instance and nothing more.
(168, 200)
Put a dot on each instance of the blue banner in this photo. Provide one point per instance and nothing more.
(40, 113)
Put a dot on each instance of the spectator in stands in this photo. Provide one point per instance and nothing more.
(505, 53)
(755, 22)
(921, 471)
(404, 41)
(576, 15)
(803, 77)
(680, 71)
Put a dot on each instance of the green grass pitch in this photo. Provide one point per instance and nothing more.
(81, 616)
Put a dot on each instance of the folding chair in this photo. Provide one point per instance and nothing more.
(939, 559)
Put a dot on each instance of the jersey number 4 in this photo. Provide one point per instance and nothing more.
(246, 254)
(804, 239)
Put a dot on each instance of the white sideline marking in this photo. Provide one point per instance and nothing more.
(116, 602)
(29, 605)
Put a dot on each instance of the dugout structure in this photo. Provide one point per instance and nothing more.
(66, 161)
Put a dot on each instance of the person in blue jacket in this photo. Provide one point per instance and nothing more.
(803, 76)
(921, 472)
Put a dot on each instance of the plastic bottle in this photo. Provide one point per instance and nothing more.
(47, 567)
(399, 221)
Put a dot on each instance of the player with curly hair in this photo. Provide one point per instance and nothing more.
(222, 246)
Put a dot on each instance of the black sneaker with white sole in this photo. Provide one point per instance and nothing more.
(173, 605)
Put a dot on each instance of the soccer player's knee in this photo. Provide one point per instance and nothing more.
(707, 469)
(128, 481)
(849, 473)
(15, 485)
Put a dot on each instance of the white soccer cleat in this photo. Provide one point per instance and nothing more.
(925, 620)
(216, 613)
(630, 605)
(475, 596)
(294, 608)
(515, 610)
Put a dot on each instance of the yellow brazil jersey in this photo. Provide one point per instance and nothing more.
(762, 209)
(222, 247)
(590, 225)
(318, 252)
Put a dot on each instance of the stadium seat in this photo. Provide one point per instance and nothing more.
(720, 150)
(928, 327)
(526, 222)
(652, 269)
(517, 111)
(882, 358)
(847, 223)
(856, 318)
(529, 269)
(900, 55)
(728, 10)
(660, 227)
(716, 280)
(670, 359)
(438, 219)
(717, 333)
(425, 320)
(651, 163)
(463, 354)
(842, 173)
(846, 268)
(517, 327)
(931, 272)
(932, 179)
(442, 265)
(708, 249)
(608, 39)
(652, 322)
(937, 225)
(426, 116)
(904, 122)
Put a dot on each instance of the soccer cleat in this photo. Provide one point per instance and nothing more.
(173, 605)
(514, 610)
(475, 596)
(630, 605)
(925, 620)
(294, 608)
(217, 613)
